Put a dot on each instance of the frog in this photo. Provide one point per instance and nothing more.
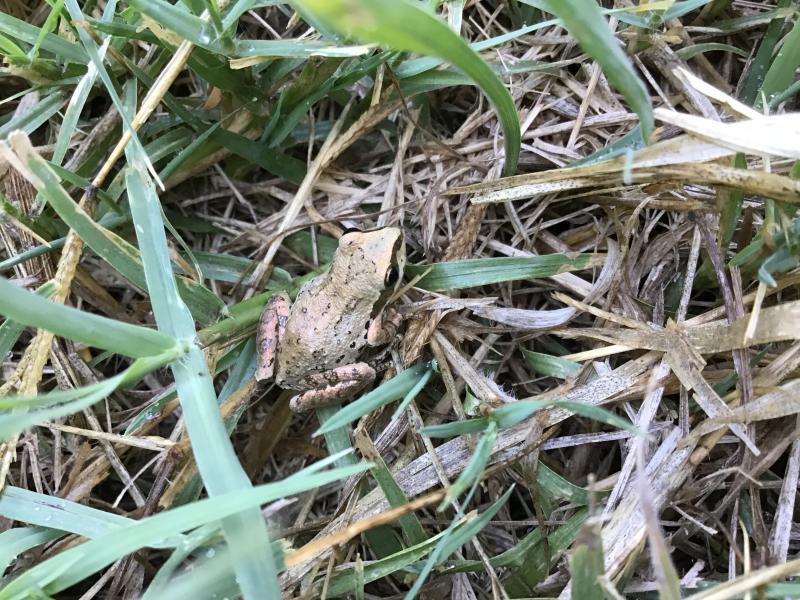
(315, 346)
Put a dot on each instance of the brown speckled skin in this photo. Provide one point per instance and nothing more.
(336, 315)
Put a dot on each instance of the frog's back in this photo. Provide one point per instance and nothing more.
(326, 329)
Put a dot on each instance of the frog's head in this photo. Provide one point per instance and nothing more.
(371, 261)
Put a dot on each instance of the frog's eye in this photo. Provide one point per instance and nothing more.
(392, 275)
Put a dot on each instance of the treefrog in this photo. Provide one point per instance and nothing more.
(315, 345)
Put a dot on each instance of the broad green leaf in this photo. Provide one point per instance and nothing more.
(460, 274)
(408, 27)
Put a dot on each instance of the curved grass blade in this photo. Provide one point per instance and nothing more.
(549, 365)
(781, 73)
(54, 44)
(406, 26)
(14, 542)
(91, 50)
(584, 20)
(78, 399)
(454, 539)
(30, 120)
(121, 255)
(67, 516)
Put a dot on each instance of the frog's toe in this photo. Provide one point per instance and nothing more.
(342, 384)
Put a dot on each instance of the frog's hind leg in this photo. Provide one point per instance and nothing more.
(332, 386)
(271, 328)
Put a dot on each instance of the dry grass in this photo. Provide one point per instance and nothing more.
(666, 332)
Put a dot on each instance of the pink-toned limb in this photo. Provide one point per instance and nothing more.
(341, 383)
(271, 328)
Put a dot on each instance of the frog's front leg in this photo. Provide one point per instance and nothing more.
(271, 328)
(332, 386)
(384, 327)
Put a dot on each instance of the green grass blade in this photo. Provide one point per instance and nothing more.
(549, 365)
(176, 18)
(57, 513)
(49, 25)
(758, 67)
(54, 574)
(406, 26)
(474, 468)
(14, 542)
(30, 120)
(586, 562)
(54, 44)
(460, 274)
(91, 50)
(584, 20)
(75, 400)
(297, 49)
(123, 338)
(781, 73)
(216, 459)
(117, 252)
(10, 330)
